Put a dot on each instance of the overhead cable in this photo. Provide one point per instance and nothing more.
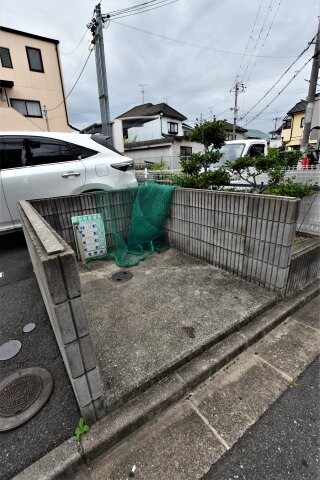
(250, 38)
(181, 42)
(74, 85)
(77, 46)
(265, 39)
(281, 91)
(258, 39)
(137, 9)
(279, 79)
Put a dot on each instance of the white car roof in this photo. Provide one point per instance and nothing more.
(80, 139)
(246, 141)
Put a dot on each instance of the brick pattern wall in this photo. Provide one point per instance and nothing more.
(304, 268)
(250, 236)
(59, 282)
(115, 207)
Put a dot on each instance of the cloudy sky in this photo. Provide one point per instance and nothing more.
(188, 54)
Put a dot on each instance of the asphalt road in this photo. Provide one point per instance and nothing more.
(285, 443)
(21, 303)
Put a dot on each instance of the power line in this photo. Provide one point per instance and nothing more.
(77, 46)
(181, 42)
(276, 83)
(265, 38)
(258, 39)
(281, 91)
(74, 85)
(137, 9)
(250, 38)
(133, 7)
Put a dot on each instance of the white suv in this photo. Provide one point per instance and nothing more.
(48, 164)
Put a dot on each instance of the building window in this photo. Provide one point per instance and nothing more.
(34, 59)
(302, 122)
(28, 108)
(185, 151)
(286, 123)
(172, 128)
(5, 57)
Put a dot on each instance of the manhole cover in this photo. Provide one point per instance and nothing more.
(29, 327)
(22, 395)
(122, 276)
(19, 395)
(9, 349)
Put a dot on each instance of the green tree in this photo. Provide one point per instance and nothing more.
(195, 169)
(274, 164)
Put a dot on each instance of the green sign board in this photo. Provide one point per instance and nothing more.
(90, 236)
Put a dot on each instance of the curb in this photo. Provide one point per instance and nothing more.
(69, 457)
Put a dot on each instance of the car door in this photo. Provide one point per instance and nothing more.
(6, 222)
(38, 167)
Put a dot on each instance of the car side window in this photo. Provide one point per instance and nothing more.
(45, 151)
(23, 152)
(256, 150)
(81, 152)
(13, 153)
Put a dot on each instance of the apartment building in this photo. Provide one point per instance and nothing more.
(31, 85)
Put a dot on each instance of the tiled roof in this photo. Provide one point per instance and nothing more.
(251, 133)
(229, 126)
(299, 107)
(148, 109)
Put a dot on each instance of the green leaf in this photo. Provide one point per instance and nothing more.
(81, 429)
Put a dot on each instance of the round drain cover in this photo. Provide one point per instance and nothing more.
(9, 349)
(22, 395)
(29, 327)
(122, 276)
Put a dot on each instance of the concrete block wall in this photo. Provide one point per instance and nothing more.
(115, 207)
(304, 267)
(309, 215)
(56, 270)
(250, 236)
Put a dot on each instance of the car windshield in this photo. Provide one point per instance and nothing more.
(230, 151)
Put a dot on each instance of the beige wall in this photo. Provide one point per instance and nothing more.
(292, 136)
(45, 87)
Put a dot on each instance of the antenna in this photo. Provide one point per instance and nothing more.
(142, 85)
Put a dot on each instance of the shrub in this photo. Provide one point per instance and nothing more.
(211, 179)
(290, 189)
(157, 166)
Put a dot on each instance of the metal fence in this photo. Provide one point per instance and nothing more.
(169, 162)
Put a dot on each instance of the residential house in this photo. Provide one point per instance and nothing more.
(31, 84)
(156, 134)
(240, 132)
(293, 123)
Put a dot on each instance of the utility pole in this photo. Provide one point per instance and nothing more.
(96, 26)
(45, 114)
(311, 91)
(142, 85)
(238, 88)
(275, 122)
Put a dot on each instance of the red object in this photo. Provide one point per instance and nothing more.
(305, 162)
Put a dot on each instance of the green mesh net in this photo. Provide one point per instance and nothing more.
(134, 222)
